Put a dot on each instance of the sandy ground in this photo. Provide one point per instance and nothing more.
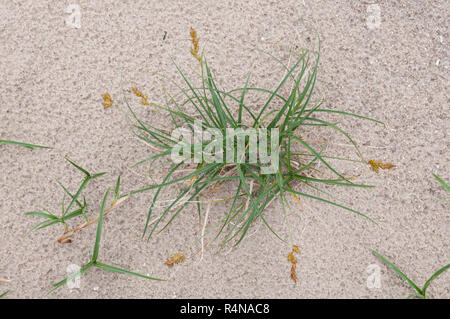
(52, 78)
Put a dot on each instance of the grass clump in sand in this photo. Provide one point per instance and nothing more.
(420, 292)
(290, 115)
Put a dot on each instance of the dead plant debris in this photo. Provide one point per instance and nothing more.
(376, 165)
(175, 259)
(107, 100)
(144, 97)
(195, 48)
(293, 260)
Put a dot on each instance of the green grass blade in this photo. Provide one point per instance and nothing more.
(72, 276)
(398, 271)
(433, 277)
(441, 181)
(99, 228)
(123, 271)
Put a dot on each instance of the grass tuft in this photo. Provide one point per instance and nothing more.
(290, 114)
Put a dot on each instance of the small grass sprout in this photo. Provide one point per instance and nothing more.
(420, 292)
(4, 294)
(66, 213)
(94, 259)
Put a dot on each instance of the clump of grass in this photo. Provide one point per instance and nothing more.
(420, 292)
(289, 114)
(27, 145)
(94, 259)
(51, 219)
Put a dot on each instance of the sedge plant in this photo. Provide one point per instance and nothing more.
(420, 292)
(290, 113)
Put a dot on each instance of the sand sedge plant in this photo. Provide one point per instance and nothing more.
(51, 219)
(420, 292)
(29, 146)
(94, 259)
(255, 191)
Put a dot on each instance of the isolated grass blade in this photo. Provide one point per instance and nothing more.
(398, 271)
(433, 277)
(43, 215)
(441, 181)
(117, 189)
(29, 146)
(4, 294)
(78, 167)
(99, 228)
(287, 114)
(329, 202)
(72, 276)
(123, 271)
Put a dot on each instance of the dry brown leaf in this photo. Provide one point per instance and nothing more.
(175, 259)
(376, 165)
(107, 101)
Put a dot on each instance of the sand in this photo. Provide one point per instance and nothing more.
(52, 78)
